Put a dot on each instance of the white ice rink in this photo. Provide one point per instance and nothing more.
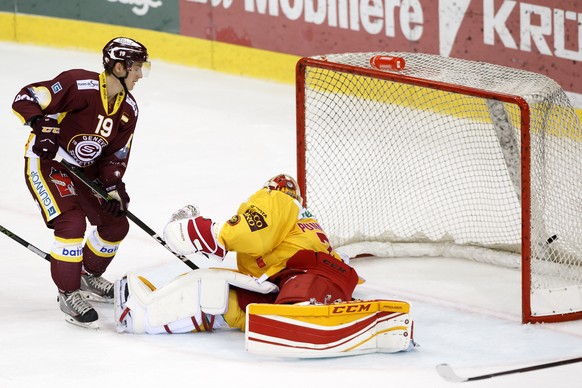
(212, 139)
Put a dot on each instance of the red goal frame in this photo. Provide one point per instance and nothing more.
(322, 63)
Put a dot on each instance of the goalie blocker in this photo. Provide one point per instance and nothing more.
(205, 300)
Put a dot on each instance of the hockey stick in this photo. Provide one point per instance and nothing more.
(26, 244)
(447, 372)
(103, 194)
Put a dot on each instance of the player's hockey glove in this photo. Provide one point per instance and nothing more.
(46, 130)
(117, 205)
(110, 175)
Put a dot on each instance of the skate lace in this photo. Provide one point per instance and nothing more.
(78, 303)
(99, 283)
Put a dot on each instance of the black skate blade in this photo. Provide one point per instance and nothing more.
(86, 325)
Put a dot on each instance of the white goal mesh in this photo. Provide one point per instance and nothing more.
(447, 157)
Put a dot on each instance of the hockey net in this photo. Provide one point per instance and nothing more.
(447, 157)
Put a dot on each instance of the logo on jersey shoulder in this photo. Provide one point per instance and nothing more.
(56, 88)
(234, 220)
(304, 213)
(63, 182)
(87, 84)
(86, 148)
(255, 218)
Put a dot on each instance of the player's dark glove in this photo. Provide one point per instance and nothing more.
(117, 205)
(46, 144)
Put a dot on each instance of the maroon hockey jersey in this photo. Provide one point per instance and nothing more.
(92, 131)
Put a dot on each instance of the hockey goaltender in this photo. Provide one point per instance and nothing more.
(291, 294)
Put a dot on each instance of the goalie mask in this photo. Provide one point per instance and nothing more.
(127, 51)
(285, 184)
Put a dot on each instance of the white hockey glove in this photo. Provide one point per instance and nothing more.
(195, 235)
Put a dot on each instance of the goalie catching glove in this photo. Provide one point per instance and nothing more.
(188, 233)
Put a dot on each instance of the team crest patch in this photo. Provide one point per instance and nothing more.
(234, 220)
(56, 88)
(255, 219)
(86, 148)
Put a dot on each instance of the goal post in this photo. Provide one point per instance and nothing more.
(446, 157)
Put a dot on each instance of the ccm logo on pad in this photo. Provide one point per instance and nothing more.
(357, 308)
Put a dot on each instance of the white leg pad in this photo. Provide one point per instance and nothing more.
(394, 335)
(139, 295)
(202, 290)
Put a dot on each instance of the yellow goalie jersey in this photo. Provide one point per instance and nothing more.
(268, 229)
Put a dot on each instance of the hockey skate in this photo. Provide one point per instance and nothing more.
(122, 314)
(77, 310)
(96, 288)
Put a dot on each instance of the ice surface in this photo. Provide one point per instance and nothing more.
(212, 139)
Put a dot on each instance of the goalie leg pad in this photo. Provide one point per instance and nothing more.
(137, 300)
(188, 299)
(340, 329)
(178, 300)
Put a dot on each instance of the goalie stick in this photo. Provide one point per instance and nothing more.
(103, 194)
(447, 372)
(26, 244)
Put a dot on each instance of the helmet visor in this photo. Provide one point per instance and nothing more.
(144, 67)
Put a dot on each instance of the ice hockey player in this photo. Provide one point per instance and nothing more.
(285, 262)
(89, 119)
